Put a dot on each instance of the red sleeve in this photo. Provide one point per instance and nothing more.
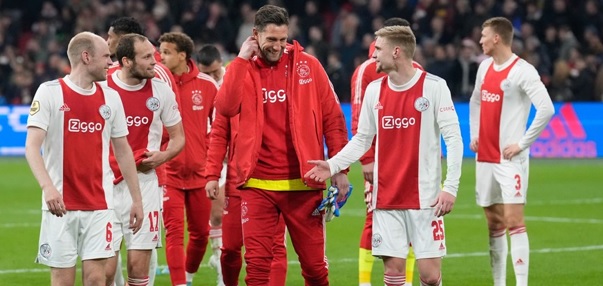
(363, 75)
(228, 100)
(218, 143)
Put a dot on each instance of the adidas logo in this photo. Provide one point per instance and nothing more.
(378, 106)
(518, 195)
(442, 247)
(64, 107)
(108, 246)
(519, 262)
(316, 212)
(155, 238)
(564, 137)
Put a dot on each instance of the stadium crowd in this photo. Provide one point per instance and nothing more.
(561, 38)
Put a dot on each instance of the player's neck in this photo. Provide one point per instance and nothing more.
(403, 75)
(123, 76)
(502, 55)
(181, 69)
(81, 80)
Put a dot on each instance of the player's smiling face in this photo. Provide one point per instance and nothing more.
(272, 41)
(143, 66)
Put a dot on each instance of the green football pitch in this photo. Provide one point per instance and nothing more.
(564, 217)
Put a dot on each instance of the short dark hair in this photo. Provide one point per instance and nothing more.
(126, 25)
(209, 54)
(183, 42)
(125, 47)
(396, 21)
(270, 14)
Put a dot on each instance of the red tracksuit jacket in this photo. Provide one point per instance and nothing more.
(316, 117)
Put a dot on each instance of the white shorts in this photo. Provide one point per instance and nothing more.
(395, 230)
(149, 235)
(86, 234)
(502, 183)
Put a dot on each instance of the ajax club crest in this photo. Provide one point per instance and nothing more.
(153, 103)
(105, 111)
(421, 104)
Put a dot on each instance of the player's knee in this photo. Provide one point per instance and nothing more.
(430, 278)
(96, 278)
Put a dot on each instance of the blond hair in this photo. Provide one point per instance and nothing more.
(399, 36)
(501, 26)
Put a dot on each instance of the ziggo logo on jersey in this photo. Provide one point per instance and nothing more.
(137, 120)
(490, 97)
(75, 125)
(272, 96)
(390, 122)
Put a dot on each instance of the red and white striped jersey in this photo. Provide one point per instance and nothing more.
(500, 105)
(408, 120)
(79, 124)
(148, 106)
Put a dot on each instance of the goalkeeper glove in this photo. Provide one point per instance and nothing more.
(330, 203)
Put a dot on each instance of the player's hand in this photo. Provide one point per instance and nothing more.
(153, 160)
(511, 150)
(213, 189)
(136, 216)
(249, 48)
(367, 171)
(368, 196)
(474, 144)
(443, 204)
(54, 201)
(321, 171)
(341, 182)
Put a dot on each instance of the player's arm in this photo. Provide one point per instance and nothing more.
(175, 145)
(474, 108)
(448, 123)
(228, 101)
(531, 84)
(127, 166)
(361, 142)
(218, 144)
(33, 143)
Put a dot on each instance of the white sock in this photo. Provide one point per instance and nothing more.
(189, 277)
(520, 252)
(499, 250)
(153, 266)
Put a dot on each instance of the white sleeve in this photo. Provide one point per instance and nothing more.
(170, 115)
(475, 101)
(41, 106)
(367, 128)
(533, 87)
(119, 126)
(448, 123)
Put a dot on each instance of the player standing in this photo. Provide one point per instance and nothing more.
(149, 105)
(186, 181)
(287, 112)
(364, 74)
(409, 108)
(74, 119)
(505, 88)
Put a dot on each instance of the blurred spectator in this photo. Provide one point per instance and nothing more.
(34, 34)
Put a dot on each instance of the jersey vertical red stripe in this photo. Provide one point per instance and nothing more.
(492, 96)
(399, 122)
(83, 143)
